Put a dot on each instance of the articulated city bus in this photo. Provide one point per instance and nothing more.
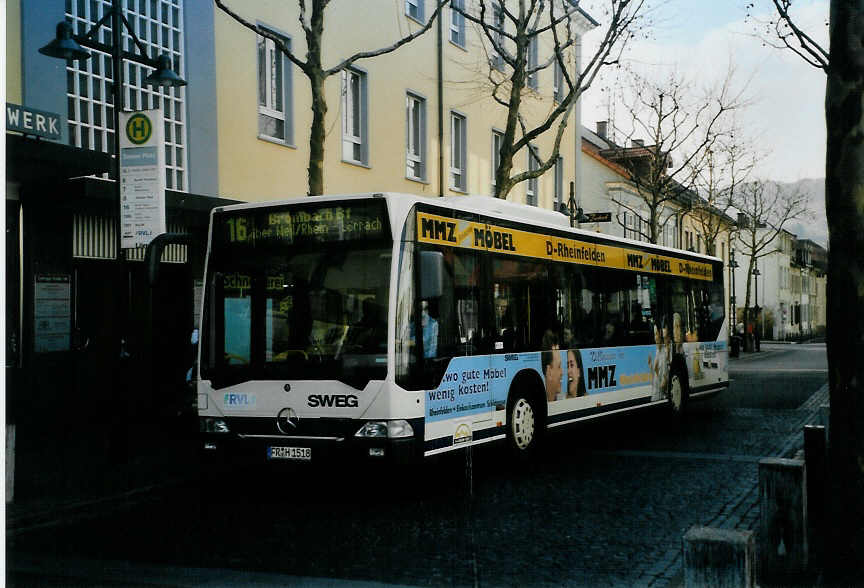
(395, 327)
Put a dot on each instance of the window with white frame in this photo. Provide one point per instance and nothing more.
(497, 23)
(670, 232)
(415, 9)
(497, 137)
(458, 156)
(274, 97)
(457, 22)
(533, 183)
(559, 183)
(355, 148)
(558, 82)
(415, 124)
(531, 63)
(159, 25)
(631, 222)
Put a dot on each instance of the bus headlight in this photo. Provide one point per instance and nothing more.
(386, 429)
(210, 425)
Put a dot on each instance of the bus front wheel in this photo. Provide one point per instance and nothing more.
(678, 392)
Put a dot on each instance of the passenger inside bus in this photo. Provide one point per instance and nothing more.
(370, 333)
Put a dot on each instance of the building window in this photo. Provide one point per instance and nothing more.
(533, 183)
(531, 63)
(457, 22)
(90, 106)
(497, 137)
(559, 183)
(497, 23)
(558, 83)
(355, 147)
(458, 145)
(415, 122)
(274, 96)
(669, 232)
(415, 9)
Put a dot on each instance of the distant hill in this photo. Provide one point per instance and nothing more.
(814, 228)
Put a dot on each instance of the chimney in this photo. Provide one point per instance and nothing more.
(602, 127)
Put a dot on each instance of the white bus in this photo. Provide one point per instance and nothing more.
(394, 327)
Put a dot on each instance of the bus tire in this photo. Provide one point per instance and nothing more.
(526, 418)
(679, 393)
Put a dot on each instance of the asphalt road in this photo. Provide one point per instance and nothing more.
(605, 505)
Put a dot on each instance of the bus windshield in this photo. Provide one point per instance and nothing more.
(296, 294)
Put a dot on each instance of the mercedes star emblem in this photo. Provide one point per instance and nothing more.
(287, 421)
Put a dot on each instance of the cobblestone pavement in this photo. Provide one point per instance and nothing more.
(607, 505)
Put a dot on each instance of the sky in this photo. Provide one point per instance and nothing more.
(698, 38)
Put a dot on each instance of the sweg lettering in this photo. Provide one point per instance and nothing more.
(337, 400)
(438, 230)
(602, 376)
(580, 253)
(493, 240)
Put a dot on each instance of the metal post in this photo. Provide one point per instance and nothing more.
(118, 435)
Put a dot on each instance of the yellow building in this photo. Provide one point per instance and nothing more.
(387, 130)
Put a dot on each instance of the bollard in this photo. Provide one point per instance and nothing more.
(816, 460)
(825, 418)
(783, 549)
(718, 558)
(10, 463)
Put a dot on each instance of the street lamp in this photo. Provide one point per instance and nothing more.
(570, 210)
(756, 274)
(733, 265)
(67, 46)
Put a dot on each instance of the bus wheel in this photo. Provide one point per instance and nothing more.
(523, 424)
(678, 392)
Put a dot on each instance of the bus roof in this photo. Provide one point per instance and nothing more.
(401, 203)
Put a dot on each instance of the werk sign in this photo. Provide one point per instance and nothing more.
(440, 230)
(142, 177)
(30, 121)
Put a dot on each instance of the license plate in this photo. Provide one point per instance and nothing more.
(298, 453)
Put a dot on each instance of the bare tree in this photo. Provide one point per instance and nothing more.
(511, 38)
(313, 68)
(765, 209)
(680, 130)
(780, 31)
(716, 178)
(843, 64)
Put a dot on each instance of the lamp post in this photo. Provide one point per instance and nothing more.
(732, 266)
(70, 47)
(756, 274)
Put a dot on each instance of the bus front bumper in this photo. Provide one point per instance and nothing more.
(251, 448)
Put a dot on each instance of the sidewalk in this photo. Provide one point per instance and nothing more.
(72, 475)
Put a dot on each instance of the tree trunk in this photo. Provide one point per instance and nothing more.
(844, 204)
(316, 137)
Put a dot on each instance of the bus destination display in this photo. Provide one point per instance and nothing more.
(362, 221)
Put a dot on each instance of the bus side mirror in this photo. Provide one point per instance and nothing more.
(431, 274)
(153, 254)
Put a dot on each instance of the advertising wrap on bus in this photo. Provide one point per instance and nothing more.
(475, 386)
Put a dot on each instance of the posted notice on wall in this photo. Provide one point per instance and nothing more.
(52, 312)
(142, 177)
